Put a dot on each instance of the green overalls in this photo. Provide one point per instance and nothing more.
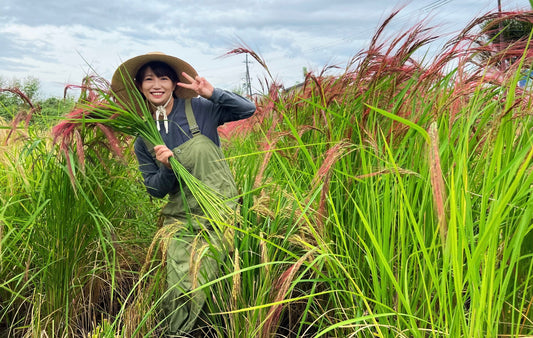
(205, 160)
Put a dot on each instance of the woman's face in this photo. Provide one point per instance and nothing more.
(157, 89)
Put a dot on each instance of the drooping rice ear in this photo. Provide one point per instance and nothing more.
(79, 149)
(437, 181)
(246, 50)
(112, 139)
(325, 172)
(281, 288)
(23, 115)
(236, 285)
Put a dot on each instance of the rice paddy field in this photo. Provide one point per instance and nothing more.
(392, 200)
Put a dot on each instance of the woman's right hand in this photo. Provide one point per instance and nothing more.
(162, 154)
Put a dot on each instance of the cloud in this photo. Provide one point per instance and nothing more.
(60, 42)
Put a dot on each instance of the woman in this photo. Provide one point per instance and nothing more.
(187, 110)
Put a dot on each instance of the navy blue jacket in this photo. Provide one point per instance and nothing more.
(222, 107)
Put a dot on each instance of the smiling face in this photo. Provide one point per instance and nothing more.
(157, 80)
(157, 89)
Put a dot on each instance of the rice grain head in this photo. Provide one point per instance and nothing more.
(161, 238)
(198, 248)
(437, 181)
(236, 288)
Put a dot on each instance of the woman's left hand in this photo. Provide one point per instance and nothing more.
(199, 84)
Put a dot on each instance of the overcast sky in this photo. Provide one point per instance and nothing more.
(59, 42)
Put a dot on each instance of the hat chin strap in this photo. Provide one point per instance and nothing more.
(161, 111)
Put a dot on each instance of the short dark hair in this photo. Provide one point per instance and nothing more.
(159, 68)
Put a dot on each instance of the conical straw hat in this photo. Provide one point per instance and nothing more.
(124, 76)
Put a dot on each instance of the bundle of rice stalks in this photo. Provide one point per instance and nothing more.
(99, 108)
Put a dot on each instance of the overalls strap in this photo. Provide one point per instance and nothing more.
(195, 130)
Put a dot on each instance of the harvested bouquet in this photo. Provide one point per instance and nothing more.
(98, 107)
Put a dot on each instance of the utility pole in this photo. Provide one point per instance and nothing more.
(248, 82)
(502, 65)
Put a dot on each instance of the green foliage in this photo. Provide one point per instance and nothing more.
(392, 201)
(509, 30)
(10, 103)
(54, 107)
(61, 242)
(13, 104)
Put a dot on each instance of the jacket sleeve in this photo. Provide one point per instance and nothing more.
(231, 106)
(158, 179)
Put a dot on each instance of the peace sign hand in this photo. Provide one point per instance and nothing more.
(199, 84)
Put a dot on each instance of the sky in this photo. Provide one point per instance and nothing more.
(60, 42)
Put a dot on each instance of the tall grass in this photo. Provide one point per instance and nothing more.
(394, 200)
(416, 183)
(64, 266)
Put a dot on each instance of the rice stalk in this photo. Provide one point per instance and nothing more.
(325, 173)
(107, 111)
(198, 247)
(437, 182)
(282, 287)
(236, 288)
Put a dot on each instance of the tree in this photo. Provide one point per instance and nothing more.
(21, 98)
(503, 38)
(509, 30)
(11, 100)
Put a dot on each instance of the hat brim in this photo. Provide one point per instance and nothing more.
(124, 77)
